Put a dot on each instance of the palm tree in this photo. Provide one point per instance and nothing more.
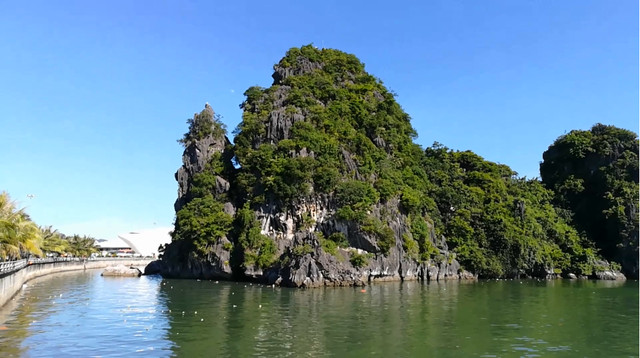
(53, 241)
(81, 245)
(19, 236)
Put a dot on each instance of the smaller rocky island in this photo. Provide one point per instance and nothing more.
(324, 186)
(122, 271)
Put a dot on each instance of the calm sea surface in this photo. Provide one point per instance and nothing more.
(84, 315)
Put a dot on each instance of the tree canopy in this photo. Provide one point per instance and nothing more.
(20, 237)
(594, 175)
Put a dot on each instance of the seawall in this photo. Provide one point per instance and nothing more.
(11, 283)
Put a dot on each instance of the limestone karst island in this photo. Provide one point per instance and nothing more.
(322, 185)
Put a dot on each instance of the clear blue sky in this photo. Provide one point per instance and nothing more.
(94, 94)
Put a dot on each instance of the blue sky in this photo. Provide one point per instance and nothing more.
(94, 95)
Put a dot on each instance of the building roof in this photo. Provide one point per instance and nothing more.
(113, 244)
(146, 242)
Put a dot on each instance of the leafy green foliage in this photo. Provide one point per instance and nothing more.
(204, 183)
(496, 223)
(339, 239)
(258, 249)
(20, 237)
(329, 246)
(81, 246)
(421, 232)
(359, 260)
(301, 250)
(354, 199)
(383, 233)
(53, 242)
(325, 178)
(203, 124)
(203, 222)
(356, 194)
(337, 111)
(594, 175)
(410, 247)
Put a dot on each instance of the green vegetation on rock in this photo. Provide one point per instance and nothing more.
(202, 125)
(359, 260)
(330, 138)
(257, 249)
(203, 222)
(594, 175)
(499, 224)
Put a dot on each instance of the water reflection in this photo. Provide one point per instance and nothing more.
(83, 314)
(522, 318)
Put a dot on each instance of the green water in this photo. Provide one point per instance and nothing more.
(98, 316)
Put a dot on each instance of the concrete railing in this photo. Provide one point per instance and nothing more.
(13, 274)
(10, 266)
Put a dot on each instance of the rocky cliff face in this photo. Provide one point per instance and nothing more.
(319, 268)
(197, 154)
(305, 199)
(202, 160)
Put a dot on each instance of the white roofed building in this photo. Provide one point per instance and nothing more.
(146, 242)
(113, 247)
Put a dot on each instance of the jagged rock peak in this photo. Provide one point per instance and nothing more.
(300, 61)
(207, 107)
(205, 139)
(301, 66)
(203, 125)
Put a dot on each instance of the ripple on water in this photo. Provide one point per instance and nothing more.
(97, 314)
(84, 314)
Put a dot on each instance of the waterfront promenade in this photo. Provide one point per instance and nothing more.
(14, 274)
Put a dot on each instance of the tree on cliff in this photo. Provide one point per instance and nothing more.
(497, 223)
(203, 124)
(594, 175)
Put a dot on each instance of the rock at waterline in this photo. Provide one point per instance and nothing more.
(611, 275)
(154, 267)
(122, 270)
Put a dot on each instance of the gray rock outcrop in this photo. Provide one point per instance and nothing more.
(195, 157)
(154, 268)
(122, 271)
(606, 272)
